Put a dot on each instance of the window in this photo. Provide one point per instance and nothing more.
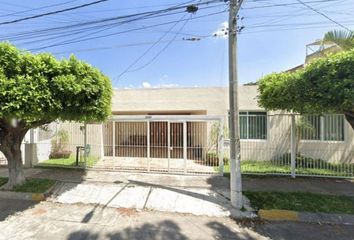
(329, 127)
(253, 125)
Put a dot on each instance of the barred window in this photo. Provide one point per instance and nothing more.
(329, 127)
(253, 125)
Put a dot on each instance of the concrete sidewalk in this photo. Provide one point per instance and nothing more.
(142, 196)
(21, 219)
(47, 220)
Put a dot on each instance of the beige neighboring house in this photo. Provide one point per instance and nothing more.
(264, 135)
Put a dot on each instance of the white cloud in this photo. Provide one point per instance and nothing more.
(160, 85)
(222, 30)
(167, 85)
(146, 85)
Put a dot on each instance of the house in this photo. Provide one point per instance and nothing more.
(187, 128)
(264, 135)
(168, 125)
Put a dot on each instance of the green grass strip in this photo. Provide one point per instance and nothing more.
(302, 202)
(68, 162)
(267, 167)
(35, 186)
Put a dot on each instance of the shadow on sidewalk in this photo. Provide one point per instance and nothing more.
(10, 207)
(163, 230)
(166, 229)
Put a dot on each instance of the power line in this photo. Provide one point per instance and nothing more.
(290, 29)
(52, 13)
(291, 24)
(109, 26)
(149, 49)
(133, 17)
(120, 32)
(162, 50)
(114, 46)
(324, 15)
(286, 4)
(39, 8)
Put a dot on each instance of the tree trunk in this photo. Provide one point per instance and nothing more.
(349, 115)
(11, 147)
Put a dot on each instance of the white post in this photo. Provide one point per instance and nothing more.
(102, 140)
(185, 145)
(168, 145)
(293, 146)
(221, 147)
(85, 145)
(31, 135)
(148, 145)
(114, 140)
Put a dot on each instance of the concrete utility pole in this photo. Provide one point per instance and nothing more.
(235, 156)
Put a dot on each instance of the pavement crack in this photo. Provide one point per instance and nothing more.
(147, 198)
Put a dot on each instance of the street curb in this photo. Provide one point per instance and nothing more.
(278, 215)
(306, 217)
(28, 196)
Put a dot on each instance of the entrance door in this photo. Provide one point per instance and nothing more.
(176, 140)
(158, 140)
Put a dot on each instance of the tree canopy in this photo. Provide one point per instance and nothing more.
(38, 87)
(325, 85)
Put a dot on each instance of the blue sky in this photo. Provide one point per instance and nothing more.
(273, 38)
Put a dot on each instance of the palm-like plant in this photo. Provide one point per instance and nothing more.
(343, 39)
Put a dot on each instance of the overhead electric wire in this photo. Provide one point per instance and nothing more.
(291, 24)
(277, 19)
(287, 4)
(120, 32)
(39, 8)
(79, 31)
(163, 49)
(324, 15)
(113, 47)
(326, 26)
(52, 12)
(45, 32)
(150, 48)
(109, 26)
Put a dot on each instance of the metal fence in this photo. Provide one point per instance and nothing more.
(280, 144)
(175, 144)
(296, 145)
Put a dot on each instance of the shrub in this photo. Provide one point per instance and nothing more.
(212, 159)
(302, 161)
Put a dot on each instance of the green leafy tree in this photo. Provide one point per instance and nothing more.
(326, 85)
(36, 89)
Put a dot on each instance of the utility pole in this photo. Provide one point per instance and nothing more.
(235, 148)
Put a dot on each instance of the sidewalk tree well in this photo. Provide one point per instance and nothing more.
(36, 89)
(324, 86)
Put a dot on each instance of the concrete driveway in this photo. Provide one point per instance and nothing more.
(144, 196)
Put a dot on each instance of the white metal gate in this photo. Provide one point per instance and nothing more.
(176, 144)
